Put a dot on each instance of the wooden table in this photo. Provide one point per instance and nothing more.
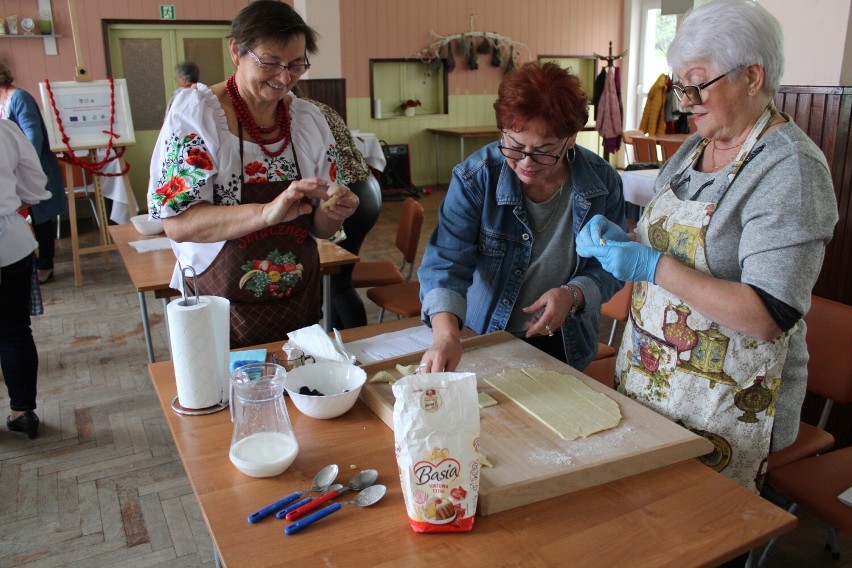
(680, 515)
(461, 133)
(152, 272)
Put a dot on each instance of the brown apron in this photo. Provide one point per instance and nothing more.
(270, 276)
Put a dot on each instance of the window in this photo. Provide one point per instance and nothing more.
(656, 33)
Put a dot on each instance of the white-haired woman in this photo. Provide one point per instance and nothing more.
(726, 255)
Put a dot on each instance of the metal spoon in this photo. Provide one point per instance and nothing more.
(283, 512)
(322, 480)
(367, 497)
(362, 480)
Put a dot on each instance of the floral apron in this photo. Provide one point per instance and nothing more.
(713, 380)
(270, 276)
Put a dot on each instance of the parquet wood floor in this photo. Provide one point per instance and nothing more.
(103, 485)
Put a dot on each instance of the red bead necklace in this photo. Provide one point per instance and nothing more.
(282, 121)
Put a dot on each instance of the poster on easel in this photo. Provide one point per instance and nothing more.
(84, 111)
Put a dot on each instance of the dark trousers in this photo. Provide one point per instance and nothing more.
(45, 234)
(553, 346)
(18, 354)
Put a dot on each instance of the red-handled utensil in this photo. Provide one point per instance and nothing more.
(361, 481)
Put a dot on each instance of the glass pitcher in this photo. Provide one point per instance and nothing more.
(263, 443)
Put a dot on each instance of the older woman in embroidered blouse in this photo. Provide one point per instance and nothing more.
(239, 176)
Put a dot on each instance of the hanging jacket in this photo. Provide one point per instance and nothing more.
(609, 118)
(654, 116)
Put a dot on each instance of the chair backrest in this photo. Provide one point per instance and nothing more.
(408, 234)
(829, 364)
(79, 176)
(669, 147)
(627, 136)
(645, 149)
(618, 307)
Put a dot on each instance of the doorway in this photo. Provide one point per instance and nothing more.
(145, 56)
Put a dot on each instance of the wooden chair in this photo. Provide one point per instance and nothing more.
(368, 274)
(401, 299)
(618, 308)
(645, 149)
(668, 148)
(814, 484)
(627, 136)
(830, 377)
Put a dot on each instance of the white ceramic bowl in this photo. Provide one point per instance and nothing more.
(340, 384)
(146, 226)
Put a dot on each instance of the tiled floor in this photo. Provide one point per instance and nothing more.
(102, 485)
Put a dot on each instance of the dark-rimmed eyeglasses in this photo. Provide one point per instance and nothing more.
(693, 92)
(543, 158)
(276, 68)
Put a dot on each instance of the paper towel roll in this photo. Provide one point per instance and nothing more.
(200, 340)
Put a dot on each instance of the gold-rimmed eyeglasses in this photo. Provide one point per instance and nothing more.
(294, 69)
(693, 92)
(543, 158)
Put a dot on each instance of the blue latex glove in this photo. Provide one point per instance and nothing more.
(628, 261)
(600, 227)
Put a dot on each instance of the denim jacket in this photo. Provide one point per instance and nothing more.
(478, 255)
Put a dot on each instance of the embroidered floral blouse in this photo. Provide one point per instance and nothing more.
(197, 160)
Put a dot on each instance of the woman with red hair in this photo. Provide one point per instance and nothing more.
(503, 254)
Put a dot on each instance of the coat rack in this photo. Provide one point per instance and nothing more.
(610, 58)
(470, 45)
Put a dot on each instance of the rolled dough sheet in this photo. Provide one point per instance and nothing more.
(561, 402)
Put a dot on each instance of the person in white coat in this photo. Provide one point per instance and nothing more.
(22, 182)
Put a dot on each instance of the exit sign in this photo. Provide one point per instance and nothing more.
(167, 11)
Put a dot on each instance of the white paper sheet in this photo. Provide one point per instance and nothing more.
(846, 497)
(149, 245)
(391, 344)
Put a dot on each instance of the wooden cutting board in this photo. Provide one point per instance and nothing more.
(531, 463)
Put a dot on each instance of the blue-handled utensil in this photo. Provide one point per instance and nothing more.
(367, 497)
(322, 480)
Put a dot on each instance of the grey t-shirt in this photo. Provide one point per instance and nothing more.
(770, 230)
(553, 258)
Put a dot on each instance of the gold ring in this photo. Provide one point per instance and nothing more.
(549, 331)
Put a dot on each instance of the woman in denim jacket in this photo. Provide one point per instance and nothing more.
(503, 254)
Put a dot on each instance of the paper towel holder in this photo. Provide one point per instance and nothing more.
(186, 301)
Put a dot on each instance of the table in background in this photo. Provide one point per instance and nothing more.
(461, 133)
(152, 272)
(638, 186)
(702, 517)
(371, 149)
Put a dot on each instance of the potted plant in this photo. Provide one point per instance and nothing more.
(409, 105)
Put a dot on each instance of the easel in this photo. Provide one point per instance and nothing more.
(81, 76)
(609, 65)
(106, 243)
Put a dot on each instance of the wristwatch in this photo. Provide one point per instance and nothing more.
(575, 306)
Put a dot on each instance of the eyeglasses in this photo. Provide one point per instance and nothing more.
(542, 158)
(693, 92)
(294, 69)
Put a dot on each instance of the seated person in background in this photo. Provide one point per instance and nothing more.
(503, 254)
(238, 177)
(347, 308)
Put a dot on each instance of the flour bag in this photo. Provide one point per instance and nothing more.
(436, 440)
